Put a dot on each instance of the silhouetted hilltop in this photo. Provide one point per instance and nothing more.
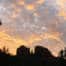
(41, 57)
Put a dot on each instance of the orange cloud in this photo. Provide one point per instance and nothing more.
(21, 2)
(55, 36)
(34, 38)
(61, 3)
(15, 13)
(30, 7)
(36, 14)
(13, 43)
(62, 13)
(40, 1)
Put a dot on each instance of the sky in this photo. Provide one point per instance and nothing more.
(31, 23)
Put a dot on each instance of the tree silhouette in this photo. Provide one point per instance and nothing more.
(62, 53)
(0, 23)
(41, 57)
(43, 52)
(23, 51)
(65, 52)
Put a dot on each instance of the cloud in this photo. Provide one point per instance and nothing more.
(31, 18)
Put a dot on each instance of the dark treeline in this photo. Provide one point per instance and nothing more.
(41, 57)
